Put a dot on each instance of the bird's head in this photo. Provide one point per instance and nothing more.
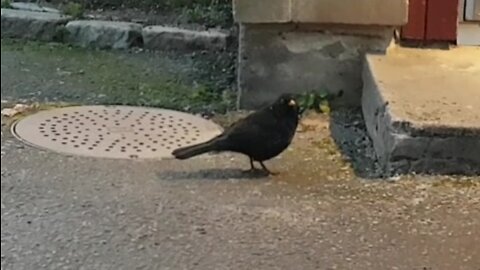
(286, 103)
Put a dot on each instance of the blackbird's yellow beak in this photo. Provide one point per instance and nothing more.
(292, 103)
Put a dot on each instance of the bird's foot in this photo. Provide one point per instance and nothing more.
(265, 169)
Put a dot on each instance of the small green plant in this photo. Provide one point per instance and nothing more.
(75, 10)
(6, 4)
(318, 101)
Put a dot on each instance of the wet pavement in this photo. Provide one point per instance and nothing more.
(326, 210)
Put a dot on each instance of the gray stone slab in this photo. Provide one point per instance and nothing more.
(173, 38)
(417, 106)
(104, 34)
(43, 26)
(430, 92)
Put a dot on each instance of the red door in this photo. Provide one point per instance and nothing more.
(431, 20)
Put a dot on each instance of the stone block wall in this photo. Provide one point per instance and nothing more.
(310, 45)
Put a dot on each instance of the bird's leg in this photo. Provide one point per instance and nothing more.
(266, 169)
(252, 166)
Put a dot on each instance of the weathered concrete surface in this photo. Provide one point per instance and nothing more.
(60, 212)
(173, 38)
(275, 59)
(421, 110)
(298, 46)
(104, 34)
(363, 12)
(70, 212)
(43, 26)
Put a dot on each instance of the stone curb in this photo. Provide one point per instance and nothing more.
(103, 34)
(181, 39)
(32, 7)
(42, 26)
(52, 26)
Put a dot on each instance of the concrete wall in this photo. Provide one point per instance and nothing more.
(279, 58)
(306, 45)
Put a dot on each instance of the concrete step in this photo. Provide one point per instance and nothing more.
(422, 109)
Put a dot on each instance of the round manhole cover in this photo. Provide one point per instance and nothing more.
(114, 131)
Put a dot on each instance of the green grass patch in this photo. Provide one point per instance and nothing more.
(126, 78)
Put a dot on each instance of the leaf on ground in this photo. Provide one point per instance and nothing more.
(17, 109)
(324, 106)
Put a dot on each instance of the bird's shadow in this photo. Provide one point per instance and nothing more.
(212, 174)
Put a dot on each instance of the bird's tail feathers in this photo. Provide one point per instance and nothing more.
(194, 150)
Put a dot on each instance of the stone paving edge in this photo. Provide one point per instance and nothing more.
(51, 26)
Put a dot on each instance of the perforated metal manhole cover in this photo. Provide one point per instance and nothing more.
(114, 131)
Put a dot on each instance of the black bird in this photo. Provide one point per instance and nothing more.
(261, 136)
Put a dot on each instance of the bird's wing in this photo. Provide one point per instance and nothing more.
(254, 127)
